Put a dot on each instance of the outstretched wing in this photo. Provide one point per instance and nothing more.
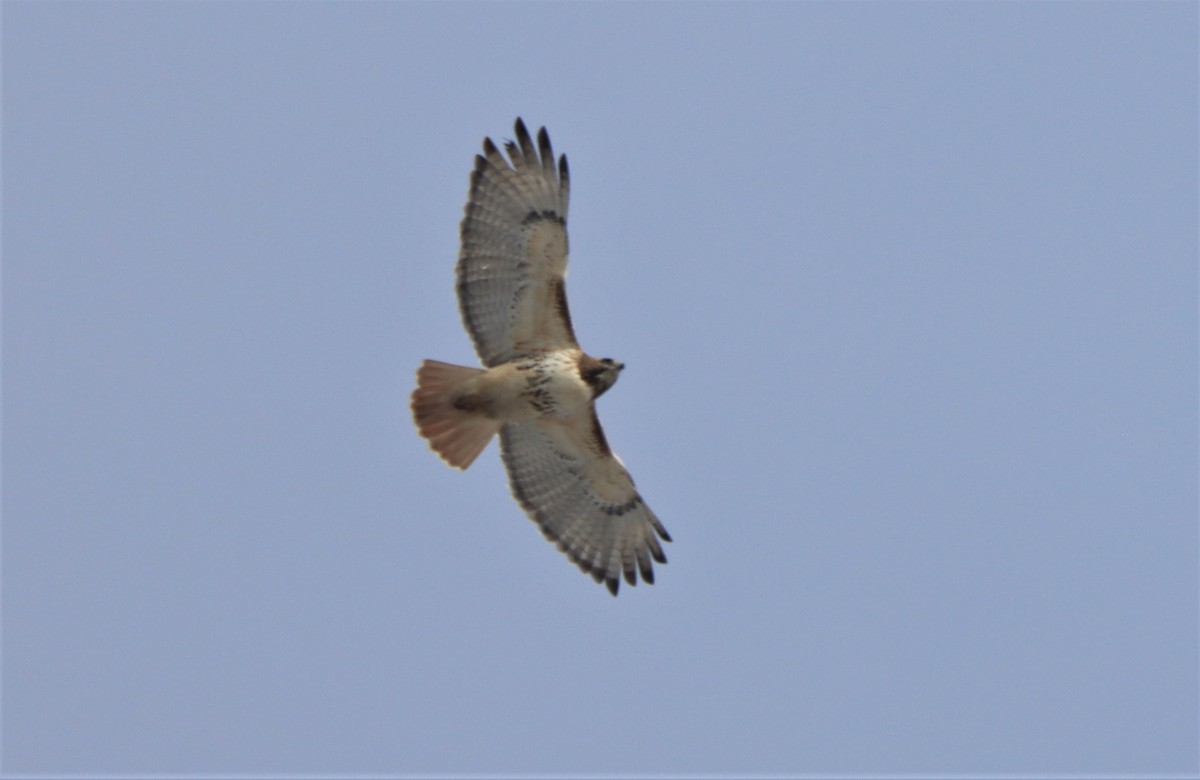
(576, 490)
(513, 261)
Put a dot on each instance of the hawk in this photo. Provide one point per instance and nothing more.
(537, 389)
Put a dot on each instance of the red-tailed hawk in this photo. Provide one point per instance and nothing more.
(538, 389)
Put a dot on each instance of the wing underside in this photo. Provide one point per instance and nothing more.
(513, 261)
(582, 498)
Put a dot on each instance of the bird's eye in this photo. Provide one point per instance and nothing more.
(606, 361)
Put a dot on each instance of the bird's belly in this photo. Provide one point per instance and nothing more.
(528, 389)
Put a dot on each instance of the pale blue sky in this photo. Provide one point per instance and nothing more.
(907, 294)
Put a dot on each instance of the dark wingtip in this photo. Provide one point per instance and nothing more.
(476, 176)
(613, 585)
(522, 134)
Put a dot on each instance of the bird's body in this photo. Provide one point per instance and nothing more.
(541, 385)
(538, 388)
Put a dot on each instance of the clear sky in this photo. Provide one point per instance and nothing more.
(907, 293)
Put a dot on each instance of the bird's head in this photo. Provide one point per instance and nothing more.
(599, 374)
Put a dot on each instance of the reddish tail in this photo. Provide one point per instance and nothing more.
(456, 435)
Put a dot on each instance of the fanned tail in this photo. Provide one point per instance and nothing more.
(457, 435)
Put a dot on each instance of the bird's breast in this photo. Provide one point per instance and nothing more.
(553, 385)
(545, 385)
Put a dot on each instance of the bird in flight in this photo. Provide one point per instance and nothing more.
(537, 389)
